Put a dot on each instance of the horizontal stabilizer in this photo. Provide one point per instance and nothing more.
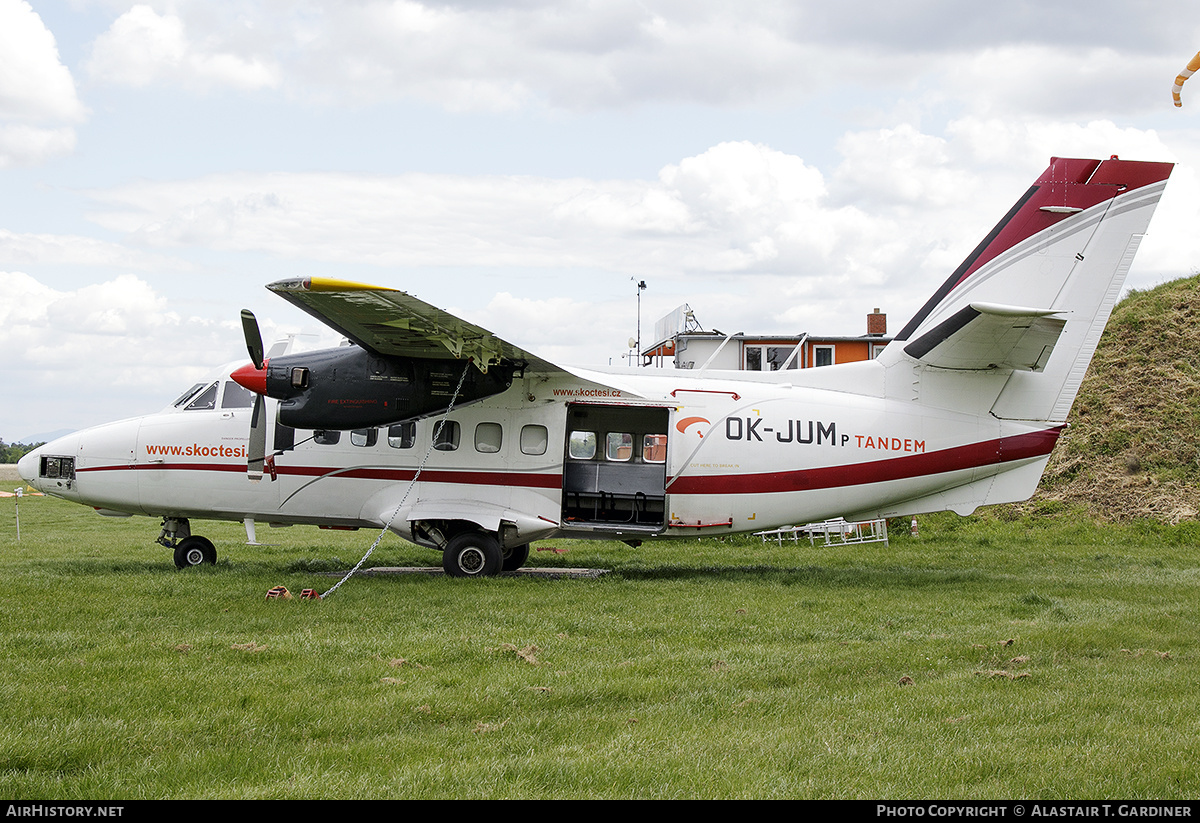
(990, 336)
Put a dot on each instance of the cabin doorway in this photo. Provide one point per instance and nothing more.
(615, 466)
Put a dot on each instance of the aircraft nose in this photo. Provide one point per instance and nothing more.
(27, 466)
(251, 378)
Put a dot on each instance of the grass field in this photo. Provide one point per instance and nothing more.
(990, 657)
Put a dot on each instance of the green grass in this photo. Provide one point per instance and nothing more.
(991, 657)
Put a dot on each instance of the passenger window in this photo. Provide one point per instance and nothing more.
(445, 436)
(364, 437)
(618, 447)
(534, 439)
(236, 397)
(327, 438)
(205, 401)
(582, 445)
(402, 435)
(654, 448)
(488, 438)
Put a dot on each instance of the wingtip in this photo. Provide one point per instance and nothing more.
(322, 284)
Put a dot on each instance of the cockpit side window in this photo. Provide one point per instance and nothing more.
(236, 397)
(205, 400)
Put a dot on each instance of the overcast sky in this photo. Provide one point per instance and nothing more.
(782, 166)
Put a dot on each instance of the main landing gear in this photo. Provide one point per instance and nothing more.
(190, 549)
(479, 554)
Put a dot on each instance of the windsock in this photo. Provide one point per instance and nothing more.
(1192, 68)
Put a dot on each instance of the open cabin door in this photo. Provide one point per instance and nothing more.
(615, 467)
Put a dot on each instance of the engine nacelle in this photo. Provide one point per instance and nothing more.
(351, 388)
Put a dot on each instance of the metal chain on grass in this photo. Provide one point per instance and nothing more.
(411, 484)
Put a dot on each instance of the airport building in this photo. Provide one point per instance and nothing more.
(685, 345)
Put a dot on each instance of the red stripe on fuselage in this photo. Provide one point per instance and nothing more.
(970, 456)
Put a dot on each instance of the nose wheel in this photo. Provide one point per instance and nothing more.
(195, 550)
(190, 549)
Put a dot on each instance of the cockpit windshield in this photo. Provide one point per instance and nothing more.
(203, 397)
(205, 400)
(187, 395)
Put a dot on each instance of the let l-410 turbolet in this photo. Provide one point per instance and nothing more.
(464, 443)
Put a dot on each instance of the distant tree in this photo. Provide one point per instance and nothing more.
(11, 453)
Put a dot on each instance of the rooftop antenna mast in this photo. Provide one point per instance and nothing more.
(640, 287)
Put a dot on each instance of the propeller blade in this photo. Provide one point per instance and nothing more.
(254, 343)
(256, 455)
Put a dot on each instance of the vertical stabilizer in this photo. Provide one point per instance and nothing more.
(1033, 298)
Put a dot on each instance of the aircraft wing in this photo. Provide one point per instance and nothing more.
(394, 323)
(990, 336)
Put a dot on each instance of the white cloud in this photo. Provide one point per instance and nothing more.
(25, 145)
(84, 328)
(1050, 80)
(901, 207)
(549, 326)
(37, 94)
(736, 207)
(573, 56)
(117, 343)
(26, 249)
(34, 84)
(143, 47)
(587, 55)
(469, 57)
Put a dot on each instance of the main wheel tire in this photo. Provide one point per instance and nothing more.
(515, 558)
(472, 554)
(195, 550)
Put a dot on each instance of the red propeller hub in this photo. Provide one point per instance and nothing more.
(251, 378)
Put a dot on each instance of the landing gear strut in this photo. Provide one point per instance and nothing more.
(190, 549)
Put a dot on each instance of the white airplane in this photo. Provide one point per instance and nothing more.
(466, 444)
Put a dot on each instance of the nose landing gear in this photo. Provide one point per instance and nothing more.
(190, 549)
